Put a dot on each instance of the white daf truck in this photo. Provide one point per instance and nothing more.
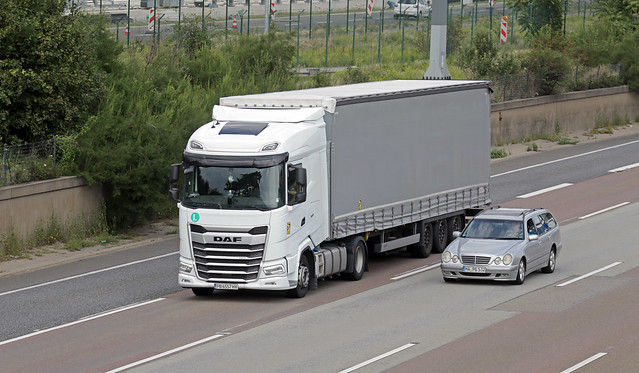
(282, 189)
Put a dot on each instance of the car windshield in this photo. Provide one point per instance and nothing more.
(408, 2)
(496, 229)
(237, 188)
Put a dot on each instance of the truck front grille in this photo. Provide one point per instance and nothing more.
(228, 256)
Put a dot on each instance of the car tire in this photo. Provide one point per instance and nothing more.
(303, 279)
(423, 251)
(440, 229)
(552, 261)
(521, 272)
(202, 292)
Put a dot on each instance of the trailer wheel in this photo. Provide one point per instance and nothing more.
(454, 224)
(441, 236)
(202, 292)
(303, 279)
(359, 258)
(423, 251)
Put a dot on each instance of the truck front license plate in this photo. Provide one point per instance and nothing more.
(226, 286)
(474, 269)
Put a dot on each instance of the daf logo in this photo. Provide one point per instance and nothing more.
(227, 239)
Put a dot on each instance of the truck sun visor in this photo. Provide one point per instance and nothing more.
(243, 128)
(234, 161)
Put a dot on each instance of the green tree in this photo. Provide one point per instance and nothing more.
(52, 68)
(535, 14)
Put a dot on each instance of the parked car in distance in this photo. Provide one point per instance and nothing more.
(503, 244)
(411, 8)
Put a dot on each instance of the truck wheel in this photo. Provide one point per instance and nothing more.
(423, 251)
(202, 292)
(454, 224)
(303, 278)
(441, 236)
(359, 259)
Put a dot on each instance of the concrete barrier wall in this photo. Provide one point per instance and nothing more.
(513, 121)
(29, 206)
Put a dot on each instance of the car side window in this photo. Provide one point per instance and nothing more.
(530, 227)
(550, 220)
(540, 225)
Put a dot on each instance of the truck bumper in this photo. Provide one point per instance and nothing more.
(188, 279)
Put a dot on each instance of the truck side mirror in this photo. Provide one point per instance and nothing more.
(175, 173)
(297, 177)
(174, 177)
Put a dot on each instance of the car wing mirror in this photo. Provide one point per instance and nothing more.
(533, 237)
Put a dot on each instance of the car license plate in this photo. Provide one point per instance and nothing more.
(473, 269)
(226, 286)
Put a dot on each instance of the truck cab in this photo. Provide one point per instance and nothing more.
(253, 200)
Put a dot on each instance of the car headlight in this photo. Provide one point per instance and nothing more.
(508, 259)
(455, 259)
(497, 261)
(446, 256)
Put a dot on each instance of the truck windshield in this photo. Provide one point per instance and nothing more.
(237, 188)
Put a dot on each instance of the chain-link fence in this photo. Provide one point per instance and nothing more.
(526, 85)
(29, 162)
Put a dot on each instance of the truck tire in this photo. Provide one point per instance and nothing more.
(303, 279)
(202, 292)
(358, 247)
(423, 251)
(440, 228)
(454, 224)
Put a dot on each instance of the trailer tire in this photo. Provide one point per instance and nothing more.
(423, 251)
(440, 228)
(359, 258)
(303, 279)
(202, 292)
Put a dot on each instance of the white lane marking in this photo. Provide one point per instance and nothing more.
(167, 353)
(415, 271)
(542, 191)
(121, 309)
(585, 362)
(602, 211)
(624, 168)
(590, 274)
(86, 274)
(380, 357)
(564, 159)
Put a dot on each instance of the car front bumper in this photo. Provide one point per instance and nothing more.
(458, 271)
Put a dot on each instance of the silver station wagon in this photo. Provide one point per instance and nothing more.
(503, 244)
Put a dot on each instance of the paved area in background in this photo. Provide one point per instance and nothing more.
(163, 230)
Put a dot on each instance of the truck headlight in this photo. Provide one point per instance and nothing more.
(185, 268)
(274, 270)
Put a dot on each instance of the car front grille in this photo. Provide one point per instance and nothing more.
(228, 256)
(475, 259)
